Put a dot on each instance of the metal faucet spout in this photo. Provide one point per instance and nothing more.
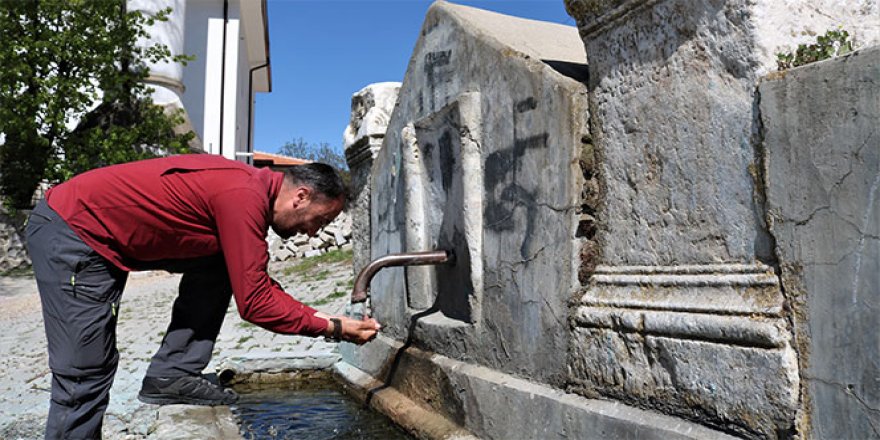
(362, 282)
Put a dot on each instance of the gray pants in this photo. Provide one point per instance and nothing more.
(80, 293)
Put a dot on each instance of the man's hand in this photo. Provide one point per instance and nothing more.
(353, 330)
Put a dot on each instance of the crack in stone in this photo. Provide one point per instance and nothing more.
(849, 392)
(811, 215)
(861, 247)
(559, 320)
(501, 340)
(868, 139)
(524, 261)
(856, 154)
(564, 209)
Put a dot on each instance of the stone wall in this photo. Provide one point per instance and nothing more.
(371, 109)
(611, 229)
(681, 309)
(823, 183)
(336, 235)
(488, 154)
(476, 160)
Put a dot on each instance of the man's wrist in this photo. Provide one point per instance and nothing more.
(336, 335)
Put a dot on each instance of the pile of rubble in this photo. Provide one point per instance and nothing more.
(336, 235)
(13, 254)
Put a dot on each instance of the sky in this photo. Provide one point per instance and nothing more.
(323, 51)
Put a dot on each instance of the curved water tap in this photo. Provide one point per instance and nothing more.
(362, 282)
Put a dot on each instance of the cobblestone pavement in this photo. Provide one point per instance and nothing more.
(144, 314)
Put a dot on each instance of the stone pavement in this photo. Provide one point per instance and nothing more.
(144, 314)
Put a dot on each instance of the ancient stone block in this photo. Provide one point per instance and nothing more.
(371, 109)
(723, 320)
(481, 156)
(734, 387)
(823, 184)
(681, 249)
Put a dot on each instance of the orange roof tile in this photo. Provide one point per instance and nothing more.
(269, 159)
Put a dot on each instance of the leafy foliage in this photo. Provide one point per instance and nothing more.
(833, 43)
(60, 59)
(322, 152)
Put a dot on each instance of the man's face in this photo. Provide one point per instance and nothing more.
(307, 214)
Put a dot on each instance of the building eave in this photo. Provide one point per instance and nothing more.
(255, 18)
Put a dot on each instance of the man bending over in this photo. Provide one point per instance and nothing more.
(200, 215)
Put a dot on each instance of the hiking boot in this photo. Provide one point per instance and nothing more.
(190, 390)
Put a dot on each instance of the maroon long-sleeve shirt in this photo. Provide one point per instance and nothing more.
(185, 207)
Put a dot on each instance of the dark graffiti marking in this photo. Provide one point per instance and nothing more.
(526, 105)
(393, 216)
(504, 193)
(447, 159)
(437, 71)
(434, 59)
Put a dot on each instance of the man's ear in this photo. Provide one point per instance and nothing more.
(301, 194)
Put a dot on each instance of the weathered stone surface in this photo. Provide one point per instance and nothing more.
(674, 89)
(823, 184)
(769, 26)
(681, 308)
(706, 381)
(682, 253)
(483, 164)
(673, 94)
(494, 405)
(186, 422)
(371, 109)
(668, 336)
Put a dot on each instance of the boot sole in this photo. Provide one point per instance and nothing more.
(171, 399)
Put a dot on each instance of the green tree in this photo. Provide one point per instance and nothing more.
(61, 58)
(321, 152)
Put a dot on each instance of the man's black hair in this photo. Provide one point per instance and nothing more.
(320, 177)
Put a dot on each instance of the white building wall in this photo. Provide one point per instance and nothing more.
(203, 20)
(213, 80)
(231, 82)
(217, 105)
(166, 77)
(242, 97)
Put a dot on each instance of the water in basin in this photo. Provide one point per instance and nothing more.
(320, 412)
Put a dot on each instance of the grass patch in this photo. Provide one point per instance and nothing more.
(245, 324)
(336, 294)
(244, 339)
(308, 265)
(22, 271)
